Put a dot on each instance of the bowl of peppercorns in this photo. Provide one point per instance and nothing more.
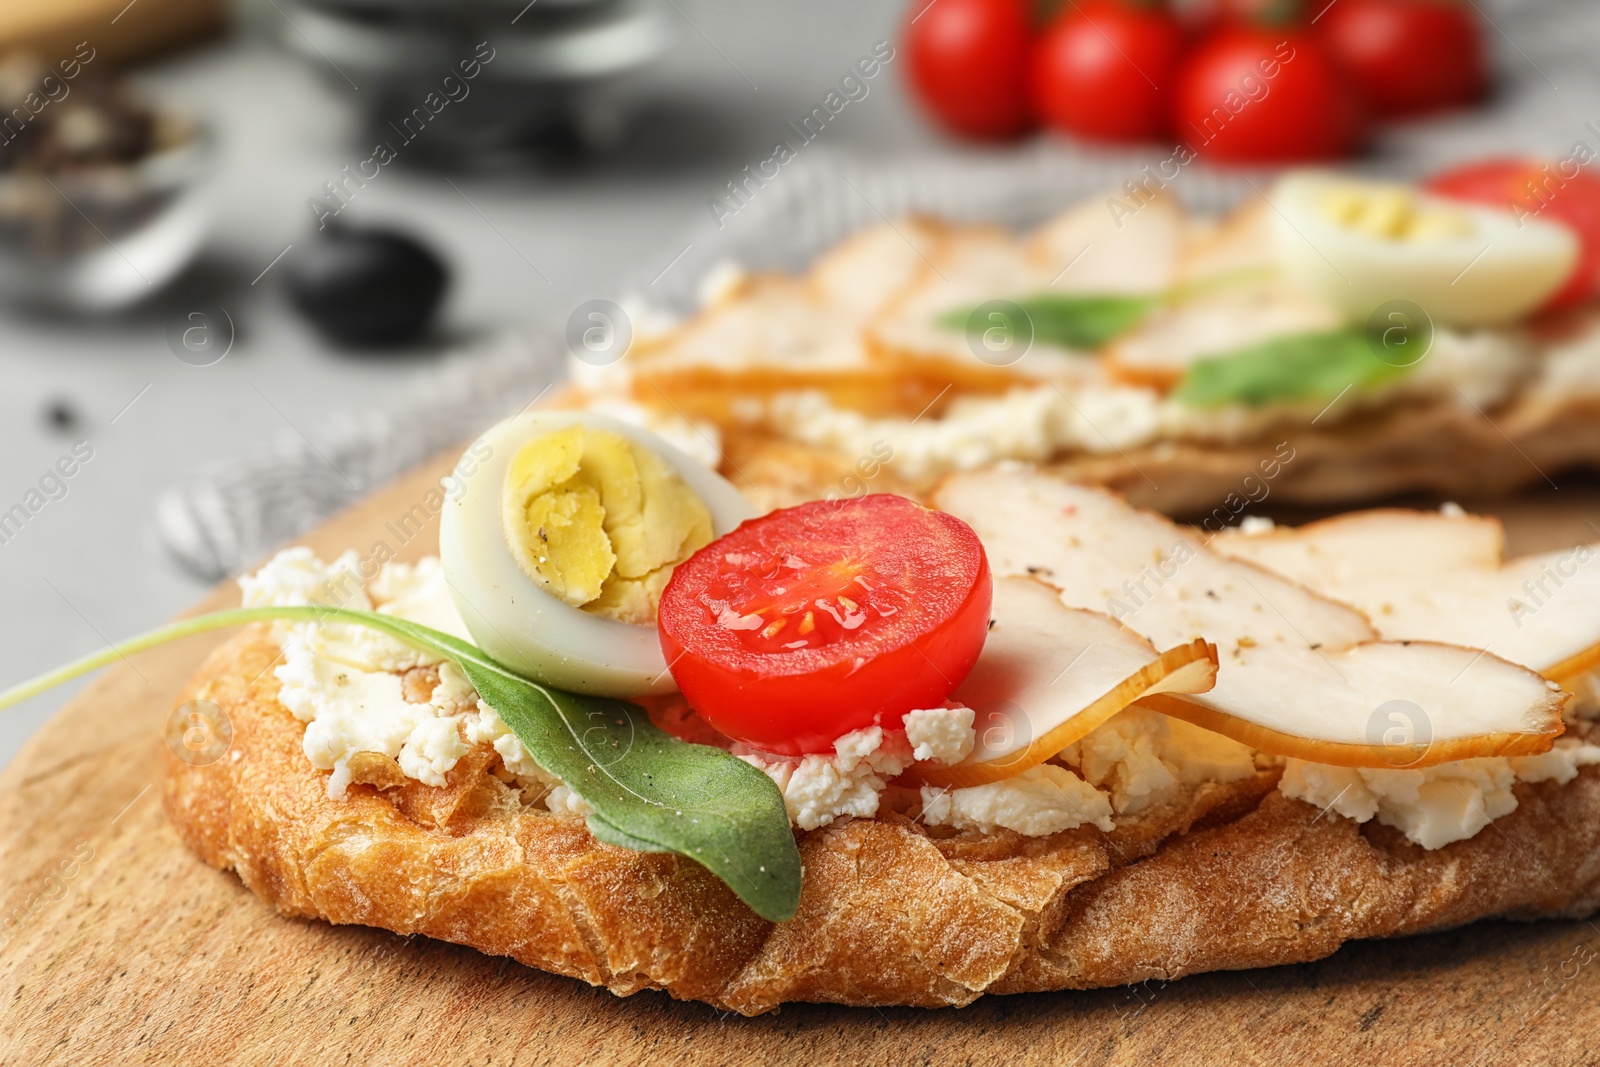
(103, 197)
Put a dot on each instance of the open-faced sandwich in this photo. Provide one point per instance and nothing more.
(748, 729)
(1390, 337)
(1018, 736)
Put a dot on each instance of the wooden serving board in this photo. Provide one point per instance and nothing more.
(119, 946)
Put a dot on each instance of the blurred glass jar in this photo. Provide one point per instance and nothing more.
(102, 198)
(560, 74)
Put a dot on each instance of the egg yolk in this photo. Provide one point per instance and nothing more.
(599, 521)
(1392, 212)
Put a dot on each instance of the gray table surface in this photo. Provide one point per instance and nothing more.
(88, 567)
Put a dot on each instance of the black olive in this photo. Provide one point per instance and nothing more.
(61, 415)
(367, 286)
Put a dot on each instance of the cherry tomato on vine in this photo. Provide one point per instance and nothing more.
(1408, 56)
(969, 64)
(1105, 69)
(1557, 192)
(813, 621)
(1265, 94)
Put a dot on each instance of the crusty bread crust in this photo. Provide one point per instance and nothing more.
(1442, 448)
(891, 912)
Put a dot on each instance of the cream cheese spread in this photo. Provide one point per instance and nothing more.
(1436, 805)
(819, 788)
(1133, 762)
(1142, 758)
(1046, 799)
(1036, 422)
(346, 683)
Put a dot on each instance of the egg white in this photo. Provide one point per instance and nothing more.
(1493, 275)
(511, 616)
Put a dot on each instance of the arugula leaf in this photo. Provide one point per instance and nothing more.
(1084, 321)
(649, 790)
(1306, 366)
(1066, 319)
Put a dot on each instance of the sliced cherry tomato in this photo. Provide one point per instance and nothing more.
(1261, 94)
(1558, 192)
(1105, 68)
(969, 64)
(813, 621)
(1409, 56)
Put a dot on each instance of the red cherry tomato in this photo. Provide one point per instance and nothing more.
(969, 64)
(1105, 69)
(813, 621)
(1408, 56)
(1557, 192)
(1265, 94)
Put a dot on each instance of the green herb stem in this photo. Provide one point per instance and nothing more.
(1087, 321)
(172, 632)
(649, 790)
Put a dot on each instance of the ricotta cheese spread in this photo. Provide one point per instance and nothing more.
(1436, 805)
(1035, 422)
(1136, 760)
(821, 787)
(1046, 799)
(1572, 365)
(1486, 366)
(1143, 758)
(1028, 423)
(347, 683)
(944, 734)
